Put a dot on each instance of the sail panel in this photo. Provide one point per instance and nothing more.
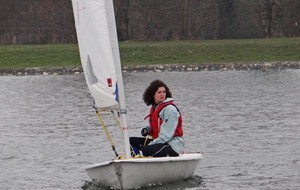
(96, 52)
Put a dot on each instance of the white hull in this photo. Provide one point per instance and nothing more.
(138, 172)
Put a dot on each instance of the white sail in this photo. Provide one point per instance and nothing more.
(100, 58)
(96, 51)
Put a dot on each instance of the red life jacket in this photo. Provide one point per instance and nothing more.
(155, 121)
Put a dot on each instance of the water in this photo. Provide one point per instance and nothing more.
(245, 123)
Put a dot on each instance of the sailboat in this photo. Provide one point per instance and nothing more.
(99, 54)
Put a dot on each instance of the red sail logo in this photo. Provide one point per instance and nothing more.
(109, 82)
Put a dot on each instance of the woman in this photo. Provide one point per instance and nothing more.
(165, 124)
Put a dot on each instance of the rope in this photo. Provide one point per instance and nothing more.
(116, 120)
(146, 140)
(121, 129)
(109, 138)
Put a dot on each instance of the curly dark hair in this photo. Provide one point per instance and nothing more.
(148, 95)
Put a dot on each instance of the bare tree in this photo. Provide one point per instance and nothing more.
(270, 13)
(290, 22)
(51, 21)
(122, 20)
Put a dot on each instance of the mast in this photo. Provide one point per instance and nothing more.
(117, 61)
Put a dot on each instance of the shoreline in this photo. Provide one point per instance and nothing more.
(156, 68)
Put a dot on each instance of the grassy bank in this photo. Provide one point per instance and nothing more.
(147, 53)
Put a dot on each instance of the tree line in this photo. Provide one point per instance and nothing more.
(51, 21)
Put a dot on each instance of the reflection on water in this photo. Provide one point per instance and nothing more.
(194, 182)
(245, 123)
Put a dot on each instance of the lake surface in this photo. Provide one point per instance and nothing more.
(246, 124)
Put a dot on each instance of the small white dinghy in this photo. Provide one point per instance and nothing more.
(99, 54)
(137, 172)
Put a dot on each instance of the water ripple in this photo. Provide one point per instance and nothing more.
(245, 123)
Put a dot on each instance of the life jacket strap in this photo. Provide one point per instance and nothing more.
(147, 116)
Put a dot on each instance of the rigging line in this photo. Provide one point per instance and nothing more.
(107, 134)
(114, 115)
(146, 140)
(109, 138)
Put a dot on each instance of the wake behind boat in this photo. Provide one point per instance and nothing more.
(99, 54)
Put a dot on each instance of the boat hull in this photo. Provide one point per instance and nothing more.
(138, 172)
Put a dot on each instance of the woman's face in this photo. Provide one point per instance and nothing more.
(160, 95)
